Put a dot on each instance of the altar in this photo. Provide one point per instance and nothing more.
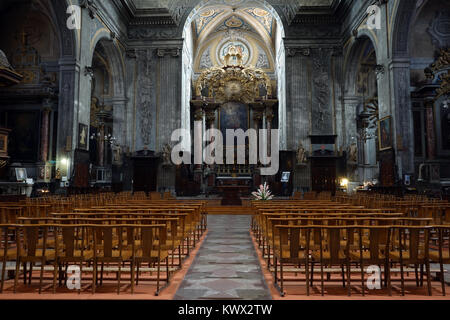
(233, 188)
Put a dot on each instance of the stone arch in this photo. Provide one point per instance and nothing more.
(352, 59)
(115, 58)
(403, 15)
(182, 11)
(67, 38)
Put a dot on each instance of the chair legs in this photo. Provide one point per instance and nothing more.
(3, 274)
(442, 278)
(16, 279)
(281, 278)
(427, 266)
(363, 288)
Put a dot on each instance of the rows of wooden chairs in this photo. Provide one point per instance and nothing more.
(86, 246)
(123, 236)
(387, 246)
(304, 236)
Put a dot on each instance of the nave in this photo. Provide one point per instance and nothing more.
(137, 247)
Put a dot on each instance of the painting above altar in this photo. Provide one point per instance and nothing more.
(233, 115)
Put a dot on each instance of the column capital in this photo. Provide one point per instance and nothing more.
(174, 52)
(198, 109)
(292, 51)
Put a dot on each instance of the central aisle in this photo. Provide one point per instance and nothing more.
(226, 266)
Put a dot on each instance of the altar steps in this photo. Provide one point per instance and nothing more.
(229, 210)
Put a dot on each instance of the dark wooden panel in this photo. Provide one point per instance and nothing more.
(145, 174)
(387, 168)
(323, 174)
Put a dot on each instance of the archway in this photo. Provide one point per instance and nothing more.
(361, 112)
(256, 26)
(256, 31)
(103, 132)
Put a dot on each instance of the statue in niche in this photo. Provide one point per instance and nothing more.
(234, 57)
(167, 154)
(301, 154)
(117, 154)
(353, 153)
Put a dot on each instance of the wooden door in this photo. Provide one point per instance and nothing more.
(145, 174)
(323, 175)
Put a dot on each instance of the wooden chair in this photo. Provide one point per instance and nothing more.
(7, 252)
(442, 256)
(410, 246)
(155, 196)
(331, 252)
(371, 251)
(109, 248)
(290, 251)
(151, 248)
(74, 245)
(28, 251)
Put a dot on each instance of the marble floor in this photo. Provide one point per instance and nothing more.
(226, 266)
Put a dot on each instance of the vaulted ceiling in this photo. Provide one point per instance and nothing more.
(176, 9)
(158, 4)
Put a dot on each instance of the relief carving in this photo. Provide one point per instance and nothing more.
(321, 96)
(145, 98)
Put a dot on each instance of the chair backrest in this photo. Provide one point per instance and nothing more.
(155, 196)
(152, 237)
(6, 230)
(378, 237)
(73, 237)
(28, 237)
(290, 238)
(104, 240)
(443, 234)
(414, 239)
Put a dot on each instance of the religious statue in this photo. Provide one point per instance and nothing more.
(234, 57)
(117, 152)
(301, 154)
(353, 153)
(167, 154)
(83, 135)
(58, 174)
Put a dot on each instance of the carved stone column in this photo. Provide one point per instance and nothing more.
(197, 106)
(431, 134)
(258, 109)
(45, 122)
(101, 144)
(210, 110)
(269, 117)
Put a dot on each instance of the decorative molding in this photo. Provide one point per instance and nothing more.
(131, 54)
(439, 29)
(292, 52)
(89, 72)
(380, 69)
(90, 6)
(139, 33)
(174, 52)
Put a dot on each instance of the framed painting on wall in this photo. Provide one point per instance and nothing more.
(82, 136)
(21, 174)
(3, 145)
(385, 133)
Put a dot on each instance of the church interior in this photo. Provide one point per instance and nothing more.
(347, 100)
